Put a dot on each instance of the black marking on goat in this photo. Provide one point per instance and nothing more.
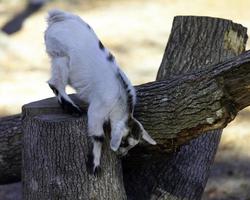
(54, 89)
(88, 26)
(124, 143)
(98, 138)
(135, 129)
(130, 103)
(110, 57)
(96, 171)
(70, 108)
(101, 45)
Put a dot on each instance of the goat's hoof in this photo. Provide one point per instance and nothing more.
(71, 109)
(97, 171)
(91, 168)
(77, 111)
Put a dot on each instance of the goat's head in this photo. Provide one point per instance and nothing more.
(130, 136)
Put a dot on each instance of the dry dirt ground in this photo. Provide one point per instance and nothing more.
(136, 32)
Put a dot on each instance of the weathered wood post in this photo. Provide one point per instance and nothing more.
(55, 148)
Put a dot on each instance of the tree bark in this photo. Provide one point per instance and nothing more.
(197, 95)
(195, 43)
(10, 149)
(55, 148)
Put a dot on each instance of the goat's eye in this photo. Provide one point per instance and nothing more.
(124, 143)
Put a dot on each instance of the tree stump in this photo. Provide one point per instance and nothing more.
(55, 149)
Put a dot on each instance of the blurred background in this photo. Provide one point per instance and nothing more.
(136, 31)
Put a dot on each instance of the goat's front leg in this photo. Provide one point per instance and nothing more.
(58, 82)
(95, 130)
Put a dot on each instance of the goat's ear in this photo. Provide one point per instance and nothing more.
(145, 134)
(148, 138)
(116, 139)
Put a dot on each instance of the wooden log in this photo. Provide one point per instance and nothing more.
(195, 45)
(55, 151)
(10, 149)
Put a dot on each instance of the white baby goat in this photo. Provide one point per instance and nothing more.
(79, 59)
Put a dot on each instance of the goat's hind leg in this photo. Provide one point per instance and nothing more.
(58, 82)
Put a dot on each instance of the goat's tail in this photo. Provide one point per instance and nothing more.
(56, 15)
(130, 90)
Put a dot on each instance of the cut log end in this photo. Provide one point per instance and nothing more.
(55, 160)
